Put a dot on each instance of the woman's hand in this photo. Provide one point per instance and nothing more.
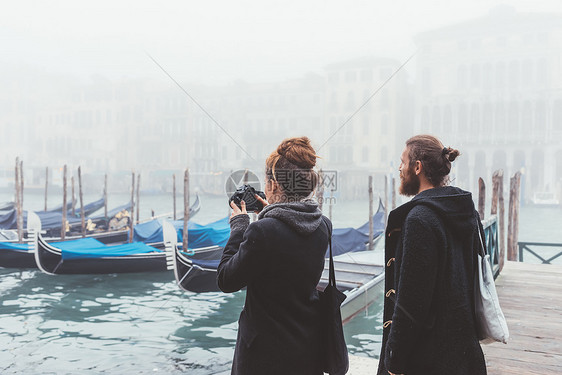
(391, 373)
(237, 211)
(263, 202)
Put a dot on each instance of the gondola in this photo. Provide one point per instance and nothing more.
(89, 256)
(20, 255)
(197, 271)
(14, 255)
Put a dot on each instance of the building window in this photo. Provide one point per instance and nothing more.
(365, 154)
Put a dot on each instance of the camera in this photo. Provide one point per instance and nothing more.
(247, 194)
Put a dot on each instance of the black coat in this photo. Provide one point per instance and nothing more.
(431, 255)
(279, 329)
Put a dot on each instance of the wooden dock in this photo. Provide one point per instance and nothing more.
(531, 299)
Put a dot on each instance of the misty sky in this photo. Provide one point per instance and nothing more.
(216, 42)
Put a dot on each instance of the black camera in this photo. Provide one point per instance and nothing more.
(247, 194)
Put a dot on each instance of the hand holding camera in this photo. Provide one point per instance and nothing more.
(245, 199)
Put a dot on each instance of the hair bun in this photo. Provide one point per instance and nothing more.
(298, 151)
(453, 154)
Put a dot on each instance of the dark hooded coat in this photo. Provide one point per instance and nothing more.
(431, 254)
(280, 259)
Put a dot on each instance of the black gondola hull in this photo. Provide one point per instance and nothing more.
(193, 278)
(49, 260)
(16, 259)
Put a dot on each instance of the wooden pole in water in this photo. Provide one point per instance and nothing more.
(513, 225)
(20, 218)
(132, 216)
(185, 208)
(105, 196)
(510, 253)
(497, 199)
(516, 213)
(138, 197)
(63, 227)
(174, 193)
(495, 193)
(481, 198)
(73, 196)
(320, 189)
(82, 215)
(22, 184)
(46, 185)
(17, 200)
(371, 234)
(502, 220)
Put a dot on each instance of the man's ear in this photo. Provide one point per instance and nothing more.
(419, 167)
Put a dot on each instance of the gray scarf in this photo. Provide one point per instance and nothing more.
(303, 216)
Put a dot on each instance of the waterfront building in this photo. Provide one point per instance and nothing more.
(492, 87)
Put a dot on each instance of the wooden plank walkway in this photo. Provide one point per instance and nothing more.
(531, 299)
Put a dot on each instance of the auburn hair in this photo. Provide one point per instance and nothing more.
(291, 166)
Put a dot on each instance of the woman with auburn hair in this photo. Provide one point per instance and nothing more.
(279, 259)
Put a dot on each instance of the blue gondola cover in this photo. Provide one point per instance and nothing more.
(213, 234)
(92, 248)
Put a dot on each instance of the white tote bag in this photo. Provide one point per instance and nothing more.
(491, 325)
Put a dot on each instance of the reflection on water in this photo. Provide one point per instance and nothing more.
(118, 323)
(127, 322)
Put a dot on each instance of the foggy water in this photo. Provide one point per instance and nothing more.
(143, 323)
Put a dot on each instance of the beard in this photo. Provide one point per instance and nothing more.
(409, 183)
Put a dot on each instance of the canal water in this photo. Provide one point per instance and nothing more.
(143, 323)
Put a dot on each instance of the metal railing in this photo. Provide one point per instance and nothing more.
(492, 243)
(526, 246)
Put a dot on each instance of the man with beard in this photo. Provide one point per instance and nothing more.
(431, 254)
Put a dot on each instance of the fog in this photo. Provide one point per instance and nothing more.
(215, 86)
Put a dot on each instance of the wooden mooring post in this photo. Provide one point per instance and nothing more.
(138, 197)
(46, 185)
(185, 208)
(105, 196)
(19, 212)
(481, 198)
(73, 197)
(82, 216)
(63, 226)
(513, 220)
(371, 234)
(132, 216)
(174, 193)
(21, 191)
(498, 200)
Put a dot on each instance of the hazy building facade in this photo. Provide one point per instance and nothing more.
(492, 87)
(367, 118)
